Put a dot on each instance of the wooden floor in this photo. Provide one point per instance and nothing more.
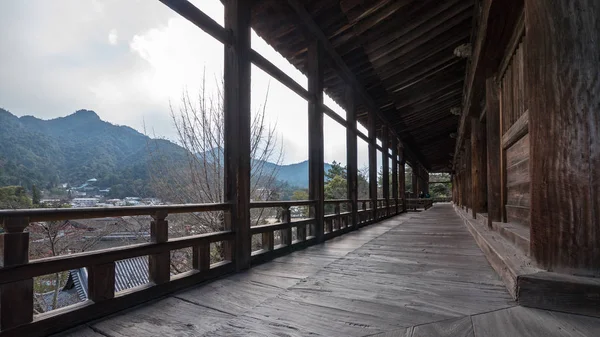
(417, 274)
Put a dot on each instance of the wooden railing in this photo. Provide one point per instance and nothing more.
(17, 272)
(304, 230)
(415, 204)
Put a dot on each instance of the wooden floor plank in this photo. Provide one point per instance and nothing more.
(168, 317)
(419, 274)
(527, 322)
(460, 327)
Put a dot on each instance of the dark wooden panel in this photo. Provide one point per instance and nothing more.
(517, 174)
(517, 130)
(519, 194)
(517, 214)
(518, 152)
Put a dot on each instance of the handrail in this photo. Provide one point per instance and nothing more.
(54, 214)
(60, 263)
(336, 201)
(283, 203)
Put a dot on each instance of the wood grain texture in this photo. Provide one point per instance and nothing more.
(527, 322)
(460, 327)
(562, 81)
(236, 125)
(494, 148)
(478, 166)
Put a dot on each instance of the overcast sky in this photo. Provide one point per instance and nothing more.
(127, 59)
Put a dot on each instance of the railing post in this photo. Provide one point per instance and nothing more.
(101, 282)
(365, 215)
(338, 217)
(16, 298)
(286, 234)
(316, 174)
(402, 179)
(159, 265)
(268, 240)
(201, 257)
(302, 229)
(236, 106)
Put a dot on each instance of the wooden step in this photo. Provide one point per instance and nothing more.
(504, 247)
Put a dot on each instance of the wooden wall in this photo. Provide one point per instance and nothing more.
(514, 119)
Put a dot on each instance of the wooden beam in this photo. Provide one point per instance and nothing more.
(236, 104)
(494, 177)
(564, 131)
(491, 36)
(311, 26)
(200, 19)
(316, 173)
(351, 155)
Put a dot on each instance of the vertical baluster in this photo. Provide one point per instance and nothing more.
(286, 234)
(16, 298)
(201, 257)
(159, 266)
(301, 230)
(364, 214)
(338, 218)
(101, 282)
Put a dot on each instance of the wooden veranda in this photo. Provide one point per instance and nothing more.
(505, 95)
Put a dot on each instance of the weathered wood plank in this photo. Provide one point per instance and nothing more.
(517, 130)
(518, 152)
(555, 291)
(460, 327)
(520, 321)
(518, 214)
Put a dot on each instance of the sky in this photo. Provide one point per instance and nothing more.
(130, 61)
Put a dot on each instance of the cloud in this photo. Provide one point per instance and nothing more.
(113, 37)
(62, 60)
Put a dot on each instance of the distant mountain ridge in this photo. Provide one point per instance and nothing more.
(81, 146)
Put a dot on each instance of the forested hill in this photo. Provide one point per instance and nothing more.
(73, 149)
(81, 146)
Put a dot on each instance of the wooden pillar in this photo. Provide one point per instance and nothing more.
(372, 124)
(468, 175)
(415, 181)
(16, 298)
(316, 174)
(385, 161)
(478, 166)
(395, 173)
(351, 157)
(236, 105)
(426, 182)
(562, 83)
(494, 148)
(402, 180)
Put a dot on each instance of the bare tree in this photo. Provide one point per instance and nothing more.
(199, 122)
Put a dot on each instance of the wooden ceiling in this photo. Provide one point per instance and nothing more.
(400, 51)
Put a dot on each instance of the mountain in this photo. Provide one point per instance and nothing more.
(296, 174)
(75, 148)
(81, 146)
